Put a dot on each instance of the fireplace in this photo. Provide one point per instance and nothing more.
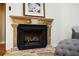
(19, 25)
(31, 36)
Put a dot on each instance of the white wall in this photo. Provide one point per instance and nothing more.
(65, 16)
(69, 18)
(16, 9)
(53, 10)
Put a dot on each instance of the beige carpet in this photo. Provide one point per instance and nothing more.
(31, 52)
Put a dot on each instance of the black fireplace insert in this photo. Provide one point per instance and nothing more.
(31, 36)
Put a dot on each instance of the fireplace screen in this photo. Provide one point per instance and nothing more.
(31, 36)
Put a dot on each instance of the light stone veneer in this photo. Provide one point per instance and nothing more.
(31, 52)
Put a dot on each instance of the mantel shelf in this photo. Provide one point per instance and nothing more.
(28, 18)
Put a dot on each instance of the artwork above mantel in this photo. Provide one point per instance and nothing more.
(34, 9)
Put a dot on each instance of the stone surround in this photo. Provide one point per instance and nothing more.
(30, 20)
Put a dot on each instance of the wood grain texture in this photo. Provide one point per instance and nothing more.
(2, 49)
(2, 28)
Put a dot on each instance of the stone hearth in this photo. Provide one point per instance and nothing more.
(31, 52)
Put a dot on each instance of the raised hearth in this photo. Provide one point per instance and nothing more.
(31, 21)
(31, 52)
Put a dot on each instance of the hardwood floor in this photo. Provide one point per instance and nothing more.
(2, 49)
(2, 28)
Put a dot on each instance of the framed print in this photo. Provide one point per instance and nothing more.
(34, 9)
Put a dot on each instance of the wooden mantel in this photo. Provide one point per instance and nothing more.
(30, 20)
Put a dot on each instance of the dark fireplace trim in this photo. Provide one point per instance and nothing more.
(20, 36)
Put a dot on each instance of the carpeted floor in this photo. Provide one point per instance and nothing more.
(31, 52)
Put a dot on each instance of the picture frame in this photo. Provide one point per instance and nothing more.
(34, 9)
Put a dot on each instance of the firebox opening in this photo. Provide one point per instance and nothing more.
(31, 36)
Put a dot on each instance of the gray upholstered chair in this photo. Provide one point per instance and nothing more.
(75, 32)
(67, 48)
